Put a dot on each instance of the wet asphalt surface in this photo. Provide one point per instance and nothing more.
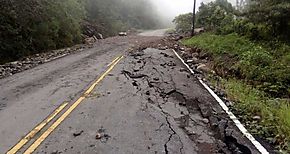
(149, 103)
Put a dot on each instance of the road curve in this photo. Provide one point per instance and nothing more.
(159, 32)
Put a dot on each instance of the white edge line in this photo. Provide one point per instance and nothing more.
(226, 109)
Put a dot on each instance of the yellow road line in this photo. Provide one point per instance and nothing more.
(113, 61)
(32, 133)
(34, 146)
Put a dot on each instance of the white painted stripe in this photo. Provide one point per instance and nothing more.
(226, 109)
(183, 62)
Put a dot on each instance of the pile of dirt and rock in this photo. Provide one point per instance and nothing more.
(11, 68)
(198, 60)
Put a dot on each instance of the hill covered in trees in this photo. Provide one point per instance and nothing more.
(32, 26)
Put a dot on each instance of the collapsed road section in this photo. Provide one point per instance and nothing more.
(149, 103)
(160, 78)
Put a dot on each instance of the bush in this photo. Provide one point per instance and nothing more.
(253, 31)
(254, 62)
(183, 22)
(29, 27)
(275, 113)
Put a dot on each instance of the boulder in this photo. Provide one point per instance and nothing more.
(195, 60)
(203, 54)
(189, 61)
(90, 40)
(100, 36)
(257, 118)
(194, 54)
(163, 48)
(14, 63)
(122, 34)
(199, 30)
(204, 68)
(182, 49)
(178, 38)
(95, 38)
(188, 50)
(175, 46)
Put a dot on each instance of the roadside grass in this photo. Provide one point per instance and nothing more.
(249, 102)
(265, 66)
(257, 79)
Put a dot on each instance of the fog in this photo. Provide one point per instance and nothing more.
(171, 8)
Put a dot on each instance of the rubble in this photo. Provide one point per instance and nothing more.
(122, 34)
(78, 133)
(26, 63)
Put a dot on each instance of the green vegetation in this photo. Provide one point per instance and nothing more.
(270, 18)
(264, 68)
(32, 26)
(264, 77)
(112, 16)
(274, 124)
(256, 19)
(183, 22)
(29, 26)
(250, 49)
(215, 15)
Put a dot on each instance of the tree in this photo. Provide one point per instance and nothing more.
(183, 22)
(215, 14)
(113, 16)
(31, 26)
(272, 14)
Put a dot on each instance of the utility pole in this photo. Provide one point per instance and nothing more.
(193, 18)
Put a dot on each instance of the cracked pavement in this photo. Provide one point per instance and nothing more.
(142, 107)
(149, 103)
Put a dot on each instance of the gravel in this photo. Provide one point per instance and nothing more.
(26, 63)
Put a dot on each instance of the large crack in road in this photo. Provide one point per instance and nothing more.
(157, 70)
(149, 103)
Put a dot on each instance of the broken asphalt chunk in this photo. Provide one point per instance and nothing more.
(78, 133)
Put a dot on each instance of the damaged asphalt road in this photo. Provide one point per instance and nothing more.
(149, 103)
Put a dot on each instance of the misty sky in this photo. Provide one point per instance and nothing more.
(172, 8)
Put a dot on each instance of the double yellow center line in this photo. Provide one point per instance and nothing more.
(51, 128)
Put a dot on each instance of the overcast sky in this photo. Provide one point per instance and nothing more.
(172, 8)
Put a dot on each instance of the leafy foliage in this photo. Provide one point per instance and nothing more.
(275, 113)
(32, 26)
(257, 19)
(183, 22)
(112, 16)
(254, 62)
(250, 47)
(263, 63)
(215, 15)
(272, 14)
(257, 79)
